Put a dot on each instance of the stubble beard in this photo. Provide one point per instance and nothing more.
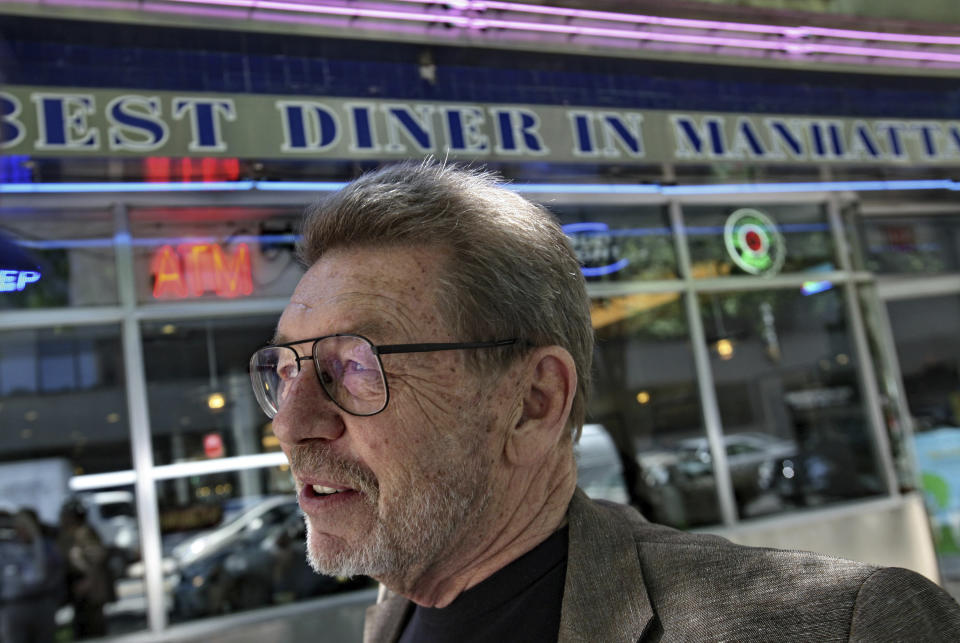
(413, 530)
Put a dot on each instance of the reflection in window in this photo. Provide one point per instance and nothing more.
(214, 253)
(645, 396)
(807, 242)
(925, 334)
(912, 245)
(236, 541)
(55, 259)
(795, 430)
(62, 396)
(200, 399)
(619, 243)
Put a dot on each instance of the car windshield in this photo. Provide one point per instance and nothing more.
(114, 509)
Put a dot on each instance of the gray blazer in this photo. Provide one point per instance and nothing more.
(630, 580)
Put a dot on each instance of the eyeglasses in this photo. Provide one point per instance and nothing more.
(348, 368)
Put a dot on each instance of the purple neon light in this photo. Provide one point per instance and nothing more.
(588, 14)
(790, 41)
(919, 39)
(686, 23)
(793, 47)
(350, 12)
(798, 48)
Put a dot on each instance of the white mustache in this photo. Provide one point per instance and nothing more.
(318, 461)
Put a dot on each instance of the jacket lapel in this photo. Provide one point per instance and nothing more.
(384, 621)
(604, 596)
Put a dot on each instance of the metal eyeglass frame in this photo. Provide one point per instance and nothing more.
(384, 349)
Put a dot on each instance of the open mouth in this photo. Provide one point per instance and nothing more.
(320, 491)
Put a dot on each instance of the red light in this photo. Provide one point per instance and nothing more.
(162, 169)
(194, 269)
(167, 276)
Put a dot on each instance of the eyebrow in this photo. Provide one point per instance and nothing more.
(375, 328)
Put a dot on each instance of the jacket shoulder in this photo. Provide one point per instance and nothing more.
(898, 604)
(707, 587)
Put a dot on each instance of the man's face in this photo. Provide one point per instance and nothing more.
(412, 480)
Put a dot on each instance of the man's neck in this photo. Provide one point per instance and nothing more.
(511, 532)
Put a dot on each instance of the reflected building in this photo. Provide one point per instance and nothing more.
(770, 237)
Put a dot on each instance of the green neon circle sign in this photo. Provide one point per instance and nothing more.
(754, 242)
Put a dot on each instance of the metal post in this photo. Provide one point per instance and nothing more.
(701, 356)
(865, 366)
(147, 513)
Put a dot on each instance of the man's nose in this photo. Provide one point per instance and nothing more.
(307, 413)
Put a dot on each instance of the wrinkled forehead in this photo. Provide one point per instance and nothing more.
(388, 294)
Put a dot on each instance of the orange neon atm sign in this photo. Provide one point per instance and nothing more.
(195, 269)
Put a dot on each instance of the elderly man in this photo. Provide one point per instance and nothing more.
(427, 382)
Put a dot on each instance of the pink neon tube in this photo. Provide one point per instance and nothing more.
(791, 32)
(785, 39)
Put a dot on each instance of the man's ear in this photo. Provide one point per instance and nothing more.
(549, 385)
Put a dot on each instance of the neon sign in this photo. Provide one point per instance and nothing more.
(754, 242)
(194, 269)
(17, 280)
(597, 249)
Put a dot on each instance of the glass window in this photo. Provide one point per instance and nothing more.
(795, 429)
(214, 253)
(620, 243)
(925, 333)
(912, 244)
(645, 397)
(735, 240)
(200, 399)
(53, 259)
(62, 398)
(236, 541)
(63, 413)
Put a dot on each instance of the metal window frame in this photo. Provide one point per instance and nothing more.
(129, 315)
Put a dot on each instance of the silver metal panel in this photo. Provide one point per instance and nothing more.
(890, 288)
(18, 319)
(708, 395)
(331, 619)
(765, 198)
(208, 309)
(219, 465)
(888, 531)
(887, 208)
(147, 512)
(618, 289)
(865, 370)
(745, 282)
(895, 384)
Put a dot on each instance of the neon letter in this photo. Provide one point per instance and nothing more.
(167, 276)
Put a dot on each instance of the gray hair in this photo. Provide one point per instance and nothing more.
(509, 272)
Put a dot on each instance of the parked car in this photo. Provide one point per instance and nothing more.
(268, 511)
(265, 565)
(751, 457)
(832, 465)
(599, 469)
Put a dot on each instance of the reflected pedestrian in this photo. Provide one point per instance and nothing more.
(89, 586)
(29, 586)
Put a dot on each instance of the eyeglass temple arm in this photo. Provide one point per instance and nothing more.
(428, 348)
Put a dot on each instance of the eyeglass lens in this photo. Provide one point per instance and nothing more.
(347, 367)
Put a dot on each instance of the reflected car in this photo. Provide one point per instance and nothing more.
(751, 457)
(599, 469)
(264, 566)
(836, 465)
(266, 512)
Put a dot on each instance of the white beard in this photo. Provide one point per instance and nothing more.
(415, 529)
